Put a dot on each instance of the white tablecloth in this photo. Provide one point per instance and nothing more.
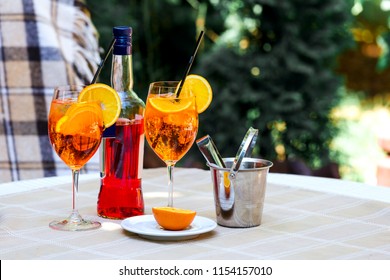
(304, 218)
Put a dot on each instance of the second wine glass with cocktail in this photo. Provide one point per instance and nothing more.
(171, 120)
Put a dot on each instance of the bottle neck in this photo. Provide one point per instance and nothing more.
(122, 73)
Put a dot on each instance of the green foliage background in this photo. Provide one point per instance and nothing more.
(270, 63)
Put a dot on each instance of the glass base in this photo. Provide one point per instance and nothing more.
(75, 223)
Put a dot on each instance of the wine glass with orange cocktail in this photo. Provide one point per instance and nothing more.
(77, 118)
(171, 121)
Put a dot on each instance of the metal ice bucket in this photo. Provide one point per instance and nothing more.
(239, 201)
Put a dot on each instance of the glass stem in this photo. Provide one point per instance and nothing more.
(170, 184)
(75, 217)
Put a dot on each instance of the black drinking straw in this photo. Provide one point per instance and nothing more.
(190, 62)
(103, 61)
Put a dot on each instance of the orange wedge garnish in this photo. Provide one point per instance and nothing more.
(170, 105)
(80, 118)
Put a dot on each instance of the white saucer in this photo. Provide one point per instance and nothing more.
(147, 227)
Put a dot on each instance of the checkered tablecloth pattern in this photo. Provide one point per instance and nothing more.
(304, 218)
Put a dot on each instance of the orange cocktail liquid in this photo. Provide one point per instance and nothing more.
(75, 144)
(171, 133)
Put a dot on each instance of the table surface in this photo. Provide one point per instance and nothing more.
(304, 218)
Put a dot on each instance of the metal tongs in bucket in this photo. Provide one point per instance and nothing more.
(245, 150)
(209, 151)
(212, 156)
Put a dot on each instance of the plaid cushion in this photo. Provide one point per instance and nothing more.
(43, 44)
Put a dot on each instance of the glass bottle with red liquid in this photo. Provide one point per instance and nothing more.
(122, 150)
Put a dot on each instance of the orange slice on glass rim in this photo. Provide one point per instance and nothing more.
(172, 218)
(200, 87)
(109, 99)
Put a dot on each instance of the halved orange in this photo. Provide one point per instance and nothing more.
(200, 87)
(109, 99)
(172, 218)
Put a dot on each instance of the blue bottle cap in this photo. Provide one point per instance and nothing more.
(122, 44)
